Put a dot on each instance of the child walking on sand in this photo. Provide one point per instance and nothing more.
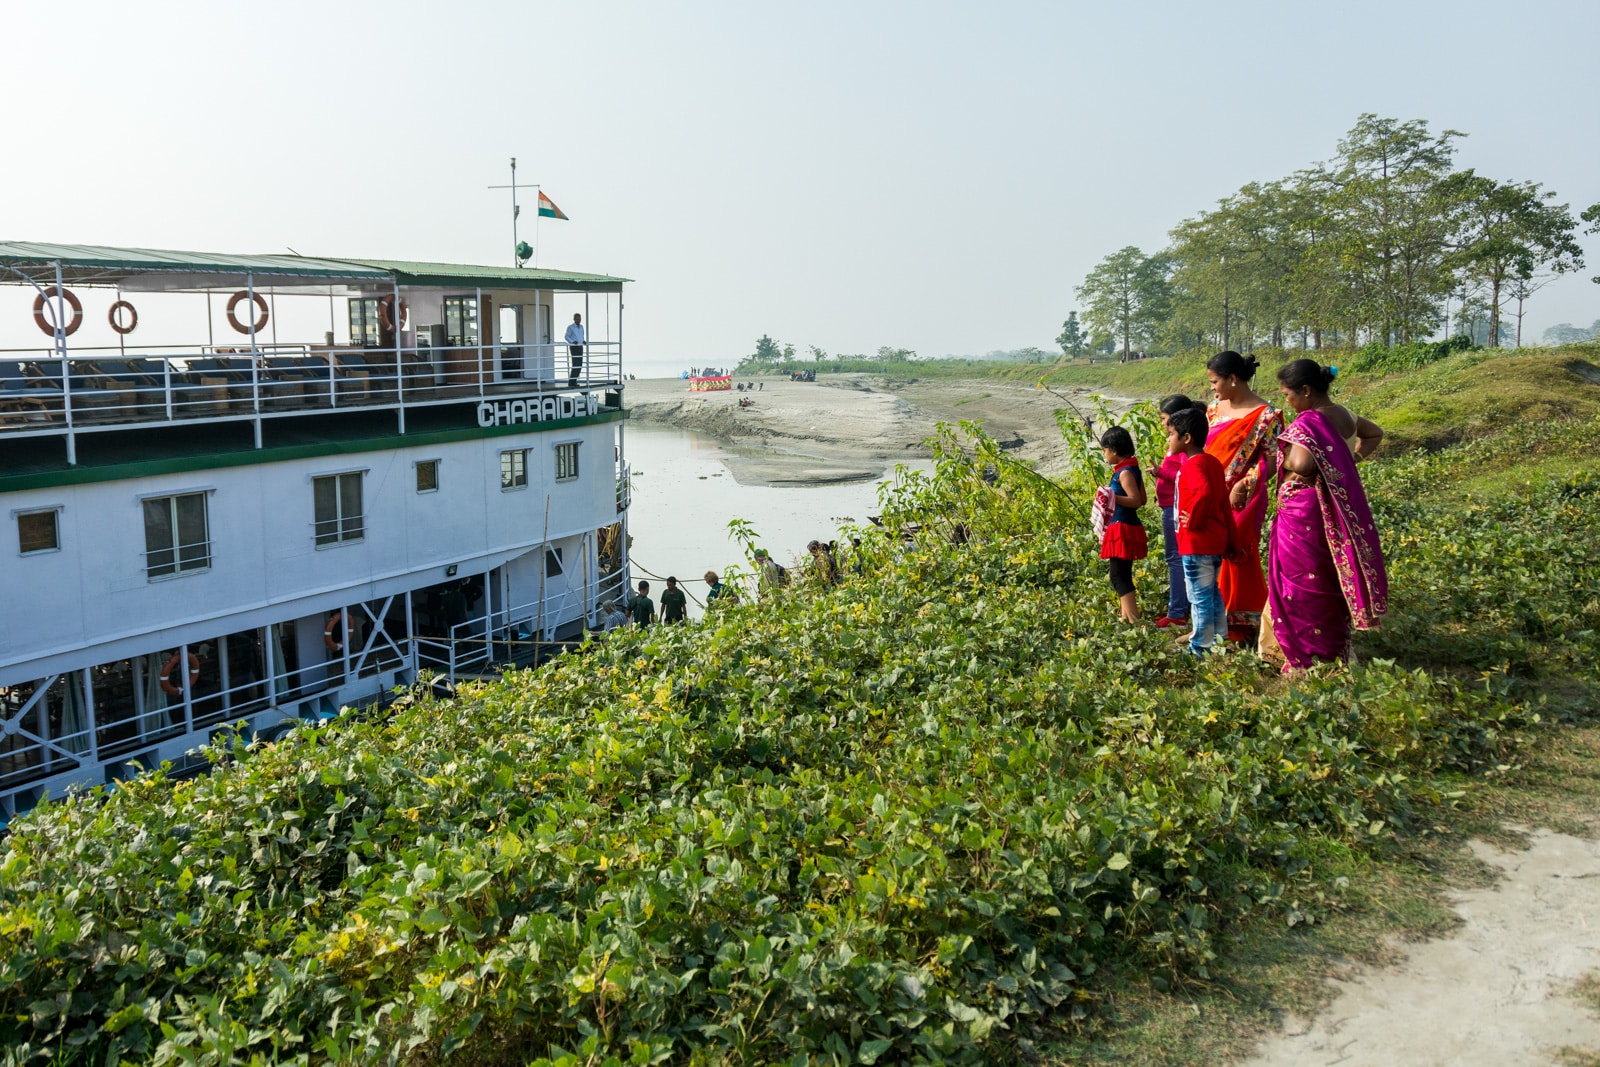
(1124, 539)
(1205, 528)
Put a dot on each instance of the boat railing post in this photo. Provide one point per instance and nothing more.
(477, 313)
(188, 687)
(399, 374)
(66, 365)
(255, 356)
(166, 383)
(92, 747)
(333, 385)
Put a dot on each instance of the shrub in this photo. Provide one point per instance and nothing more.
(910, 818)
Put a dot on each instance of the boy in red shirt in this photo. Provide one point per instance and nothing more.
(1205, 530)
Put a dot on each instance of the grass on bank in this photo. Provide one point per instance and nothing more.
(948, 812)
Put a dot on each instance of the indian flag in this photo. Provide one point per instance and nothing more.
(548, 209)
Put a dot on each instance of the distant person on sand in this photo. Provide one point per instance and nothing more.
(674, 605)
(643, 609)
(575, 349)
(1124, 540)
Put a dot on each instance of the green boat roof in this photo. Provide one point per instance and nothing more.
(23, 261)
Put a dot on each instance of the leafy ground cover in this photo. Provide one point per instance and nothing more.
(936, 814)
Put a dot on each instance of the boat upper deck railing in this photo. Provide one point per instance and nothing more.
(42, 393)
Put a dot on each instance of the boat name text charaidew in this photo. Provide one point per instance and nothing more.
(537, 409)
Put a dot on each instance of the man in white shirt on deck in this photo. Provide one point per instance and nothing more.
(575, 349)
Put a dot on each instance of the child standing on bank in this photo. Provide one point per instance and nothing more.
(1166, 485)
(1205, 529)
(1124, 540)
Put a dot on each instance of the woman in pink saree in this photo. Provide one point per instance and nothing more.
(1325, 570)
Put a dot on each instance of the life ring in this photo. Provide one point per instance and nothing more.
(240, 297)
(72, 301)
(386, 309)
(166, 674)
(335, 624)
(133, 317)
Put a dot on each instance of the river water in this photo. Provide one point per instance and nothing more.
(684, 495)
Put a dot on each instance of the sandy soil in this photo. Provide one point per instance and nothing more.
(1497, 993)
(850, 427)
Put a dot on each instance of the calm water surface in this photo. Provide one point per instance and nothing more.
(684, 496)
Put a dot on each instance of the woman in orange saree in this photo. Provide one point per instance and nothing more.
(1244, 436)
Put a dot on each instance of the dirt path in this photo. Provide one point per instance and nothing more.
(1497, 993)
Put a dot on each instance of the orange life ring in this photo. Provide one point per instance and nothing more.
(233, 304)
(335, 620)
(166, 673)
(72, 301)
(386, 309)
(133, 317)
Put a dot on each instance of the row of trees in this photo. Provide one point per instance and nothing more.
(770, 353)
(1382, 243)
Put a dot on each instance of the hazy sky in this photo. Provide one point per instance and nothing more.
(937, 176)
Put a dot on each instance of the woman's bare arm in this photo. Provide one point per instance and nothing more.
(1368, 436)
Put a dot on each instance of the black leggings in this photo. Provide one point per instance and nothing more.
(1121, 576)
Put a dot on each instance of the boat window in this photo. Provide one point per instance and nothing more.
(176, 537)
(552, 563)
(427, 475)
(38, 531)
(364, 321)
(337, 501)
(567, 461)
(514, 469)
(460, 320)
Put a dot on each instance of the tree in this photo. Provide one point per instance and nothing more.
(788, 353)
(1392, 225)
(767, 350)
(1128, 296)
(1564, 333)
(1074, 339)
(1591, 215)
(1511, 233)
(895, 355)
(818, 355)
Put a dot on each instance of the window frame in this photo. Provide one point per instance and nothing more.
(54, 511)
(180, 568)
(467, 313)
(513, 485)
(416, 468)
(576, 469)
(338, 534)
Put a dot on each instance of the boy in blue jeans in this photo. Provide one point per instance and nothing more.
(1204, 519)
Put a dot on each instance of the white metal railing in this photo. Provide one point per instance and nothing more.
(96, 389)
(72, 726)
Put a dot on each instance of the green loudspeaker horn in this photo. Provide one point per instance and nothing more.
(524, 251)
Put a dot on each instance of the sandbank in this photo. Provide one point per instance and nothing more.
(851, 427)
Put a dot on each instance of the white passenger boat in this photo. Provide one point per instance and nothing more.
(254, 527)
